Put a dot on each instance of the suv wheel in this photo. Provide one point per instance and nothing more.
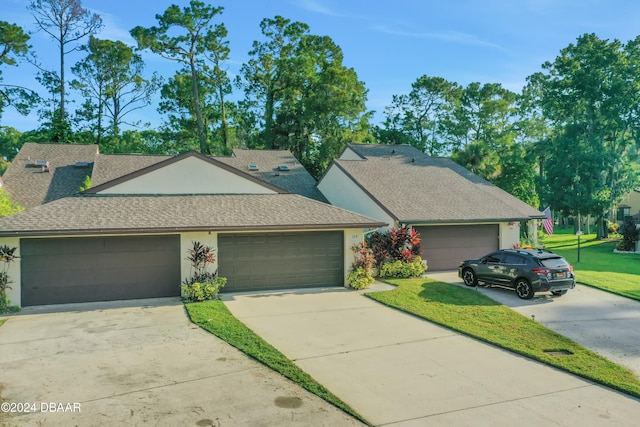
(524, 289)
(469, 277)
(559, 293)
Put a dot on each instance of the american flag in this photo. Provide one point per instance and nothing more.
(548, 222)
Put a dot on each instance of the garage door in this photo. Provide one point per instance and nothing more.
(84, 269)
(281, 260)
(445, 246)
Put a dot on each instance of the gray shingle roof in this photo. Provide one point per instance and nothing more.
(99, 214)
(416, 188)
(112, 166)
(381, 150)
(30, 186)
(296, 180)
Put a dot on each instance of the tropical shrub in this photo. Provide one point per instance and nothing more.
(397, 252)
(7, 256)
(630, 235)
(359, 278)
(198, 292)
(361, 275)
(201, 257)
(403, 269)
(203, 284)
(395, 244)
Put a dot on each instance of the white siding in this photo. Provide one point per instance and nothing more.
(343, 192)
(509, 234)
(190, 175)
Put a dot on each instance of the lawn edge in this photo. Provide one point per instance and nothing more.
(337, 402)
(631, 297)
(510, 350)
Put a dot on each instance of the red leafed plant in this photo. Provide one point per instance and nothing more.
(401, 244)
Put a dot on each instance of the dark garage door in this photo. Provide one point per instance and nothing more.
(84, 269)
(445, 246)
(281, 260)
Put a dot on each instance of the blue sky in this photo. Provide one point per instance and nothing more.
(388, 43)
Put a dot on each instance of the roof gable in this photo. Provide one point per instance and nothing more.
(188, 173)
(416, 188)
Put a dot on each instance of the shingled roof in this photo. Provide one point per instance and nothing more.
(415, 188)
(67, 165)
(31, 187)
(295, 179)
(100, 214)
(111, 166)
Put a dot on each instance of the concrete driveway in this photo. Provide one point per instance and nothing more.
(398, 370)
(603, 322)
(141, 363)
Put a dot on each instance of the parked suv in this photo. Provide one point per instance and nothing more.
(526, 270)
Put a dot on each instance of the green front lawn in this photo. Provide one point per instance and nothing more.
(599, 266)
(216, 318)
(474, 314)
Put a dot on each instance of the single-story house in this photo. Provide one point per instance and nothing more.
(458, 214)
(127, 236)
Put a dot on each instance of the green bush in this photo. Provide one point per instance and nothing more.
(403, 270)
(360, 278)
(198, 292)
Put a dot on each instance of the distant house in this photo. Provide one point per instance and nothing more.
(127, 236)
(629, 206)
(458, 214)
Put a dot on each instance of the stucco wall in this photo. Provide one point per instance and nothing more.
(189, 176)
(509, 234)
(343, 192)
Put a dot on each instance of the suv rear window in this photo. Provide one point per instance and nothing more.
(554, 262)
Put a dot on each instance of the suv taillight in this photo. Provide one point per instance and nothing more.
(541, 271)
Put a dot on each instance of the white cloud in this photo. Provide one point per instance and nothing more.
(314, 6)
(112, 30)
(446, 36)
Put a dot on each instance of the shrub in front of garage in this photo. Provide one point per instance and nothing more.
(396, 253)
(203, 284)
(196, 292)
(403, 269)
(361, 274)
(7, 256)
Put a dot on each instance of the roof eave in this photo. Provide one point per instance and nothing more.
(166, 230)
(465, 221)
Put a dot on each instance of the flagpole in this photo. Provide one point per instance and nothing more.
(579, 233)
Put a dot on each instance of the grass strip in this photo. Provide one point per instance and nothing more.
(476, 315)
(215, 317)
